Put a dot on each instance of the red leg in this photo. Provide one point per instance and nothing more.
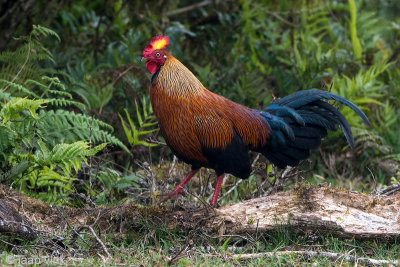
(217, 188)
(178, 188)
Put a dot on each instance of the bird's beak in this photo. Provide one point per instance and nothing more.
(142, 59)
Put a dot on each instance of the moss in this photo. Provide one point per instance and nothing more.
(250, 221)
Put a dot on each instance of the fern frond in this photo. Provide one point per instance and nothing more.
(69, 126)
(17, 105)
(132, 132)
(65, 103)
(103, 136)
(40, 30)
(18, 87)
(4, 96)
(54, 82)
(75, 119)
(60, 93)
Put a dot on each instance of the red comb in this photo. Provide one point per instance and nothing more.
(157, 42)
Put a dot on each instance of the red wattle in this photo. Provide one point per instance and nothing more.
(151, 67)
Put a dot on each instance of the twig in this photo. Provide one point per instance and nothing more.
(201, 183)
(35, 232)
(272, 185)
(189, 8)
(249, 238)
(344, 257)
(184, 247)
(306, 253)
(121, 74)
(150, 178)
(187, 191)
(153, 179)
(151, 140)
(286, 171)
(253, 164)
(373, 178)
(210, 188)
(172, 166)
(231, 189)
(75, 233)
(275, 15)
(390, 189)
(96, 237)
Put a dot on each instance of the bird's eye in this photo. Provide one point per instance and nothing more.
(157, 54)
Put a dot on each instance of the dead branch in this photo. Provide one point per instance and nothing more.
(97, 238)
(189, 8)
(231, 189)
(307, 254)
(390, 189)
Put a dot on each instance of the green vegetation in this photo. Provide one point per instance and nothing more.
(160, 245)
(77, 129)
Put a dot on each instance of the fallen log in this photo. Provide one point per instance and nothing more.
(304, 209)
(12, 223)
(316, 209)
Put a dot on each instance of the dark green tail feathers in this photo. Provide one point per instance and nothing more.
(299, 121)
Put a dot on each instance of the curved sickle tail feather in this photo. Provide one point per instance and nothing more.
(299, 122)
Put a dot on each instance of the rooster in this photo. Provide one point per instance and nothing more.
(208, 130)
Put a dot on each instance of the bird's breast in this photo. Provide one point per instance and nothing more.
(176, 121)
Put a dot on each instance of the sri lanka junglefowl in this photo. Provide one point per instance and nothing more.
(208, 130)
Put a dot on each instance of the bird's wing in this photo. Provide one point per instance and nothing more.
(226, 131)
(221, 144)
(212, 129)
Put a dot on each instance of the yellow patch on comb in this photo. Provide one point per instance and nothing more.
(159, 42)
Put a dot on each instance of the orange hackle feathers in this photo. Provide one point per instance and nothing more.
(156, 43)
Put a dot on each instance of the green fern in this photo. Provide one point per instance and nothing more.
(33, 82)
(43, 145)
(55, 169)
(17, 105)
(69, 127)
(132, 132)
(317, 24)
(26, 158)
